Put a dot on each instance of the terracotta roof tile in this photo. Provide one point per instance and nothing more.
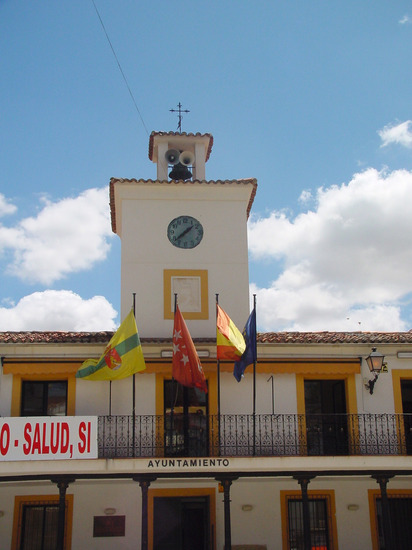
(335, 337)
(172, 134)
(37, 337)
(57, 337)
(113, 181)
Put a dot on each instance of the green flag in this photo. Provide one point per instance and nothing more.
(122, 357)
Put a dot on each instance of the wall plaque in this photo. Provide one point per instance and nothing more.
(109, 526)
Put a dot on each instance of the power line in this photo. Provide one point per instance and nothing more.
(120, 68)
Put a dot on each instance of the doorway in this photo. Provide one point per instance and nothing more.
(326, 418)
(186, 413)
(406, 393)
(182, 522)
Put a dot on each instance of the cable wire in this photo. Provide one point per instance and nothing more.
(120, 68)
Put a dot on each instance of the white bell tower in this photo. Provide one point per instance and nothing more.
(182, 234)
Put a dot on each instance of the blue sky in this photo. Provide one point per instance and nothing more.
(311, 98)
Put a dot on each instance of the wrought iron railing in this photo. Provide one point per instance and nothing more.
(236, 435)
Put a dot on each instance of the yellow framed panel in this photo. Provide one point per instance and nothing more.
(199, 278)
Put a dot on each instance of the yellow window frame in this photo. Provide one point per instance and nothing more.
(373, 495)
(211, 378)
(23, 500)
(42, 371)
(328, 495)
(397, 376)
(351, 403)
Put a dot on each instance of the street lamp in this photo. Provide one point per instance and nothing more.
(375, 364)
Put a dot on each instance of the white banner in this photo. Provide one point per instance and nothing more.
(48, 437)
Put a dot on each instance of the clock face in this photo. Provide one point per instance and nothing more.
(185, 232)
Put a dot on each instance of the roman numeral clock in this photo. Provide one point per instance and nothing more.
(182, 234)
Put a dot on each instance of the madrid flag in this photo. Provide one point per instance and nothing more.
(186, 365)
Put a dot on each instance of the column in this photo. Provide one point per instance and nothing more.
(62, 484)
(226, 483)
(144, 482)
(382, 480)
(304, 482)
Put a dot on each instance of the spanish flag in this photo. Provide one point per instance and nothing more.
(122, 357)
(229, 340)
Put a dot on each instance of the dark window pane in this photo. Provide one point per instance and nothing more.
(400, 512)
(39, 527)
(44, 398)
(318, 519)
(56, 398)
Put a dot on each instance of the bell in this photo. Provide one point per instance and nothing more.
(180, 172)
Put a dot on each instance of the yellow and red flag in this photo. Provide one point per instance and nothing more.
(229, 340)
(122, 357)
(186, 365)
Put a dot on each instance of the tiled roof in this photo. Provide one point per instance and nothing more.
(56, 337)
(113, 181)
(335, 337)
(178, 134)
(103, 337)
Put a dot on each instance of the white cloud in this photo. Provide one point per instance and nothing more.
(6, 207)
(400, 134)
(305, 196)
(347, 264)
(55, 310)
(405, 19)
(66, 236)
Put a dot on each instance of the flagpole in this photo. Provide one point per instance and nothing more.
(172, 398)
(254, 384)
(218, 385)
(110, 398)
(134, 389)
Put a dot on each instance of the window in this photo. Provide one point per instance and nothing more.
(400, 513)
(321, 518)
(35, 522)
(44, 398)
(42, 387)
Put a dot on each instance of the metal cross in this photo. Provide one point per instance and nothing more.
(179, 116)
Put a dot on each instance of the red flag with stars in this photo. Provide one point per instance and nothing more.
(186, 365)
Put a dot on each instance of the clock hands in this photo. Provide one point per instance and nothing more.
(184, 232)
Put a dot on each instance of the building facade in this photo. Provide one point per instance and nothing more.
(309, 451)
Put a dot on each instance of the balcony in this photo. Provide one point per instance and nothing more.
(244, 435)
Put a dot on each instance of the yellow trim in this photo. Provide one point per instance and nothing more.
(373, 494)
(20, 501)
(42, 371)
(329, 495)
(167, 292)
(182, 492)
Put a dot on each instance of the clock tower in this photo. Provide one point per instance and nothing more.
(182, 234)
